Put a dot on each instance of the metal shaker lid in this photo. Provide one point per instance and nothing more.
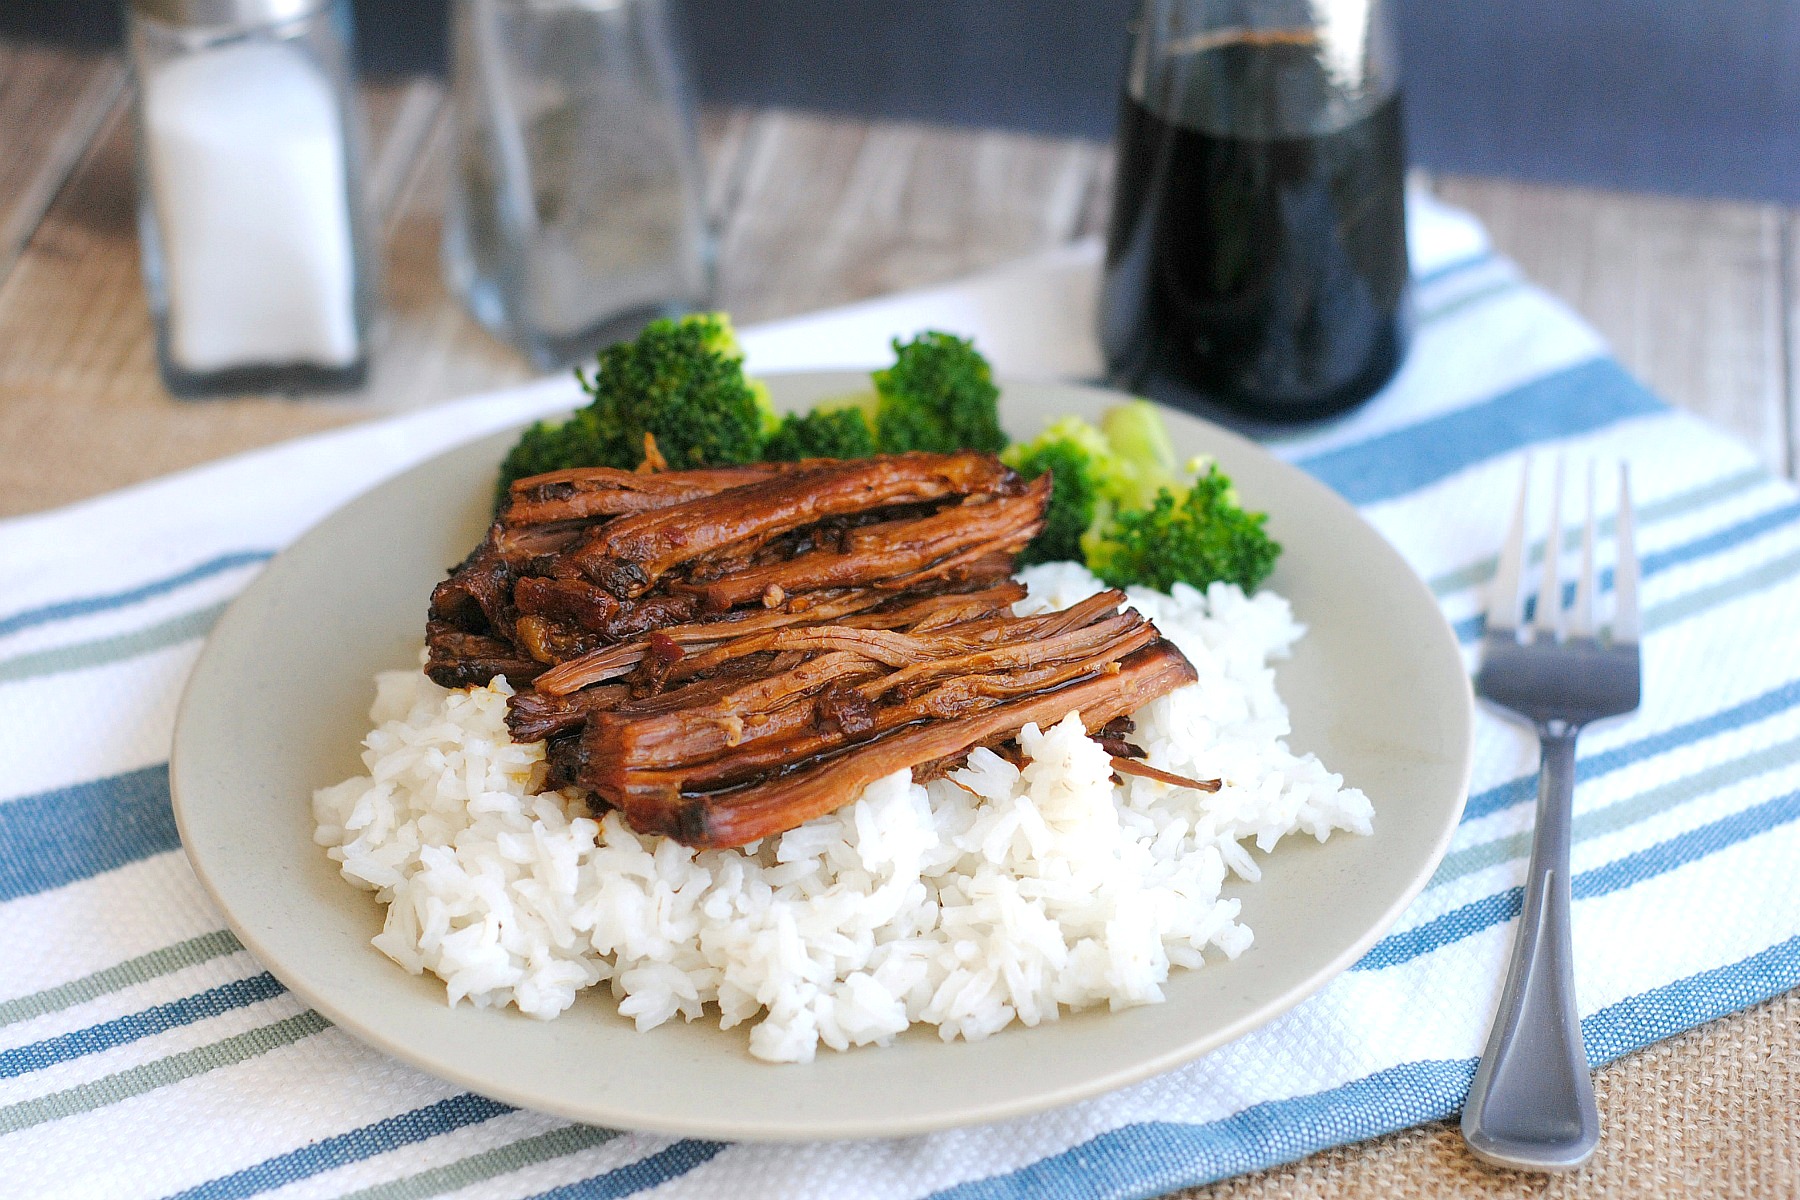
(205, 14)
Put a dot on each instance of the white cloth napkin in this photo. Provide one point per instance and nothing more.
(144, 1053)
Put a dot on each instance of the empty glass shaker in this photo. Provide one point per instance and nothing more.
(576, 211)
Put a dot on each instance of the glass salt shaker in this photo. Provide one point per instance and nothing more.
(250, 212)
(576, 211)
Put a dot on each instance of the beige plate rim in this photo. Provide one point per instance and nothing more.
(246, 739)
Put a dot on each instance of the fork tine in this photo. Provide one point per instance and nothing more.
(1581, 616)
(1625, 628)
(1549, 600)
(1503, 600)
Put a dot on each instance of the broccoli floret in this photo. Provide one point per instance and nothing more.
(1170, 522)
(1144, 461)
(821, 433)
(1196, 538)
(1123, 505)
(940, 396)
(681, 381)
(553, 445)
(1085, 472)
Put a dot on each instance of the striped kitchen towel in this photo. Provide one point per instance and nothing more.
(144, 1053)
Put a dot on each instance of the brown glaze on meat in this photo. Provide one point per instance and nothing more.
(724, 654)
(894, 553)
(629, 555)
(814, 788)
(588, 492)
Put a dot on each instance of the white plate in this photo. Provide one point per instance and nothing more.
(278, 704)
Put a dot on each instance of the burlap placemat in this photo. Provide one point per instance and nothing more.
(1713, 1112)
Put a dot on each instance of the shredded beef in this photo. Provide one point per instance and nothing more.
(723, 654)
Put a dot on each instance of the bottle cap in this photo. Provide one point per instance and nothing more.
(205, 14)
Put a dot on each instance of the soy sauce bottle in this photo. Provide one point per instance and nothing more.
(1256, 255)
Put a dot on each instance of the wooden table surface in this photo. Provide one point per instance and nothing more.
(1699, 298)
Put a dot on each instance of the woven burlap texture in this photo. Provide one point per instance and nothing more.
(1714, 1112)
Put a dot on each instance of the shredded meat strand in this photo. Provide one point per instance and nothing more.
(1127, 766)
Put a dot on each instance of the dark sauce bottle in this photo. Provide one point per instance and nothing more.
(1256, 257)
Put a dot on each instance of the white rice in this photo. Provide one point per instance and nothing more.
(1007, 898)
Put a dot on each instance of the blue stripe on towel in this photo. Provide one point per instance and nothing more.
(326, 1154)
(85, 605)
(1159, 1156)
(669, 1163)
(1665, 1011)
(1576, 400)
(1453, 267)
(1497, 909)
(1156, 1157)
(239, 993)
(56, 838)
(1713, 543)
(1718, 542)
(1524, 787)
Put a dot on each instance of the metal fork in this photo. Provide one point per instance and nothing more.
(1531, 1106)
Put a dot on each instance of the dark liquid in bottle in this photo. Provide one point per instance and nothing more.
(1266, 272)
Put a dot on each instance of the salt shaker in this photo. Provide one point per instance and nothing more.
(250, 211)
(576, 209)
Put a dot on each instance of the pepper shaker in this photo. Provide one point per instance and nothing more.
(250, 209)
(576, 208)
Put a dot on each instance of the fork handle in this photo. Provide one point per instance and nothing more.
(1531, 1106)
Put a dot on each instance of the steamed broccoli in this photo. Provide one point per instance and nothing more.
(579, 441)
(940, 396)
(1143, 457)
(681, 381)
(1078, 456)
(825, 432)
(1122, 504)
(1196, 538)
